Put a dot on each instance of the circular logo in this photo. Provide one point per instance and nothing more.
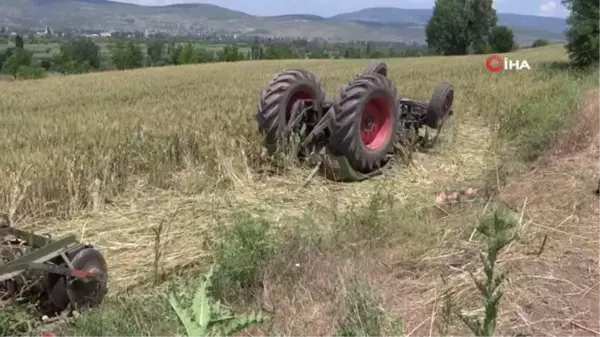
(494, 63)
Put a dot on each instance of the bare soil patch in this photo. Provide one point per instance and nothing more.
(554, 291)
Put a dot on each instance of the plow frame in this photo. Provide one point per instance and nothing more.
(44, 249)
(54, 274)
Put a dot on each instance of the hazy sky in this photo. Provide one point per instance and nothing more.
(332, 7)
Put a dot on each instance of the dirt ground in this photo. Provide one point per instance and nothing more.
(555, 290)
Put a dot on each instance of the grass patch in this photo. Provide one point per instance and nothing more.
(244, 250)
(364, 315)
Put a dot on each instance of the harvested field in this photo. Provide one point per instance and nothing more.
(153, 166)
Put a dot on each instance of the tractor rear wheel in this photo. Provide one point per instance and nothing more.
(366, 119)
(440, 105)
(276, 101)
(376, 67)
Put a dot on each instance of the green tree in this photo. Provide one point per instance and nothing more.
(481, 19)
(27, 72)
(19, 57)
(19, 43)
(278, 51)
(127, 55)
(582, 34)
(446, 29)
(255, 49)
(502, 39)
(155, 51)
(174, 51)
(369, 49)
(187, 54)
(539, 43)
(79, 55)
(317, 52)
(458, 27)
(204, 55)
(230, 53)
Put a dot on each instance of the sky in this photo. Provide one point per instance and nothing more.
(333, 7)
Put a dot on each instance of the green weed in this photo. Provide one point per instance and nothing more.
(244, 250)
(208, 318)
(499, 231)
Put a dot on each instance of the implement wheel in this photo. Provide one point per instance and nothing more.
(88, 292)
(440, 105)
(366, 119)
(276, 101)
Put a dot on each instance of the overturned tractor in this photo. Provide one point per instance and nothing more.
(361, 131)
(55, 275)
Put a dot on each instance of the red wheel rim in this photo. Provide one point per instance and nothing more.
(446, 106)
(376, 123)
(298, 95)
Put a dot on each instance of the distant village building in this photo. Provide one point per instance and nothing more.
(46, 31)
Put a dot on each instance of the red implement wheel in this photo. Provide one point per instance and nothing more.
(376, 67)
(366, 119)
(440, 105)
(276, 101)
(87, 292)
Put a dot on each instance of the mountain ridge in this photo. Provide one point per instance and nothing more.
(378, 23)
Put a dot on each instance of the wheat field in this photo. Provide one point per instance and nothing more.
(150, 165)
(126, 149)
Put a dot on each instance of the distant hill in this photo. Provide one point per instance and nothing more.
(397, 15)
(377, 24)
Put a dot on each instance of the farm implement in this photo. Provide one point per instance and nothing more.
(52, 274)
(359, 133)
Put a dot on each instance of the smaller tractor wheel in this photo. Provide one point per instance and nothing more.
(88, 292)
(276, 101)
(366, 119)
(376, 67)
(440, 105)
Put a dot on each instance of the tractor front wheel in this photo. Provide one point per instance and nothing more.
(440, 105)
(366, 119)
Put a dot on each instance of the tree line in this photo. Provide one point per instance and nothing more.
(460, 27)
(457, 27)
(83, 54)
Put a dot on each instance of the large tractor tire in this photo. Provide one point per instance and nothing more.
(366, 119)
(277, 99)
(440, 105)
(376, 67)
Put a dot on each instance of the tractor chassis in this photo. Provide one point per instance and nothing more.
(313, 129)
